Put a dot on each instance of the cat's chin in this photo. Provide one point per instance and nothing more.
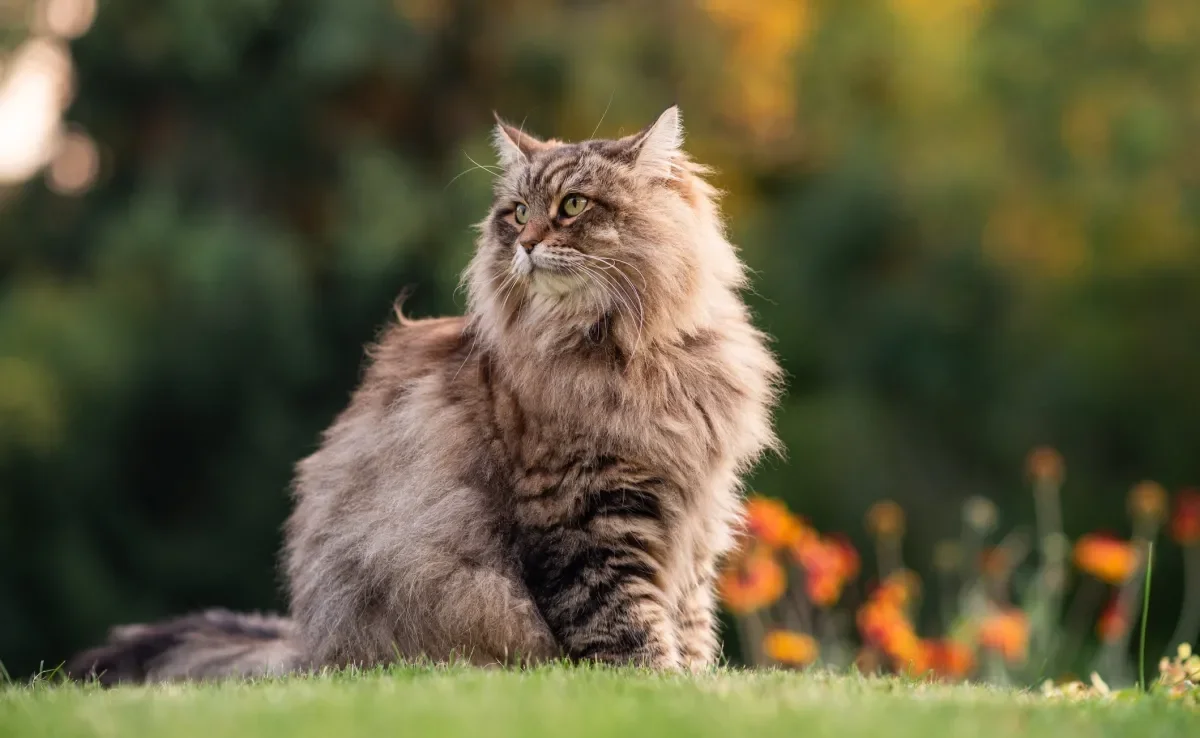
(553, 284)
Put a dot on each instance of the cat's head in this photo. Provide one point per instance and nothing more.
(620, 233)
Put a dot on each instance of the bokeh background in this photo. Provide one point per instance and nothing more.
(973, 226)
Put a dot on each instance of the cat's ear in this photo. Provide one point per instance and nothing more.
(653, 150)
(513, 144)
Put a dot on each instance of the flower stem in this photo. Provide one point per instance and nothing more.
(1088, 596)
(1189, 618)
(1051, 576)
(755, 632)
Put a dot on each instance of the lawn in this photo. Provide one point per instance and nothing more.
(575, 702)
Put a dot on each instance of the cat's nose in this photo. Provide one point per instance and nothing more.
(529, 246)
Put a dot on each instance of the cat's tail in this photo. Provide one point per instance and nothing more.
(210, 645)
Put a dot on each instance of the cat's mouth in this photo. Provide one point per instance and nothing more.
(546, 273)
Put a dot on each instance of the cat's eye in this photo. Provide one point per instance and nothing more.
(521, 213)
(573, 205)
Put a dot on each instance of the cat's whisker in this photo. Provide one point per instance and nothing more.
(486, 167)
(608, 289)
(611, 260)
(608, 262)
(641, 314)
(614, 290)
(611, 95)
(477, 166)
(609, 265)
(509, 282)
(512, 287)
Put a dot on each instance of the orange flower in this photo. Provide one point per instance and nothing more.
(883, 625)
(1044, 464)
(849, 563)
(791, 648)
(874, 619)
(906, 649)
(1106, 558)
(1148, 500)
(1185, 521)
(768, 520)
(942, 658)
(898, 589)
(828, 564)
(752, 583)
(1113, 622)
(952, 659)
(885, 519)
(1007, 633)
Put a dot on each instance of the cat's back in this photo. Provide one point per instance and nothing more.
(397, 416)
(409, 351)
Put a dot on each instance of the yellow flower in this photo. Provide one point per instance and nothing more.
(1106, 558)
(791, 648)
(1180, 674)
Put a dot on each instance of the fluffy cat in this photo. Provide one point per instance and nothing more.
(555, 474)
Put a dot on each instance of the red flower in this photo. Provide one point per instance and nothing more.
(849, 562)
(1185, 521)
(883, 623)
(828, 564)
(952, 659)
(1113, 623)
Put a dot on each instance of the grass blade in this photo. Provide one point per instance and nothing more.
(1145, 614)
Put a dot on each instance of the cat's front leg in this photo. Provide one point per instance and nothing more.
(697, 623)
(597, 579)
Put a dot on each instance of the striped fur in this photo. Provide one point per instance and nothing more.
(216, 643)
(557, 472)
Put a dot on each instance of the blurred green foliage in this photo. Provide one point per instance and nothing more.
(973, 228)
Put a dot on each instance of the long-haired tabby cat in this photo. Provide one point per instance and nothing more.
(554, 474)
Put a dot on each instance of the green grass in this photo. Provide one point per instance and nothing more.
(574, 702)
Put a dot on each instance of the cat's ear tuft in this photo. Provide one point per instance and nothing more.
(657, 146)
(513, 144)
